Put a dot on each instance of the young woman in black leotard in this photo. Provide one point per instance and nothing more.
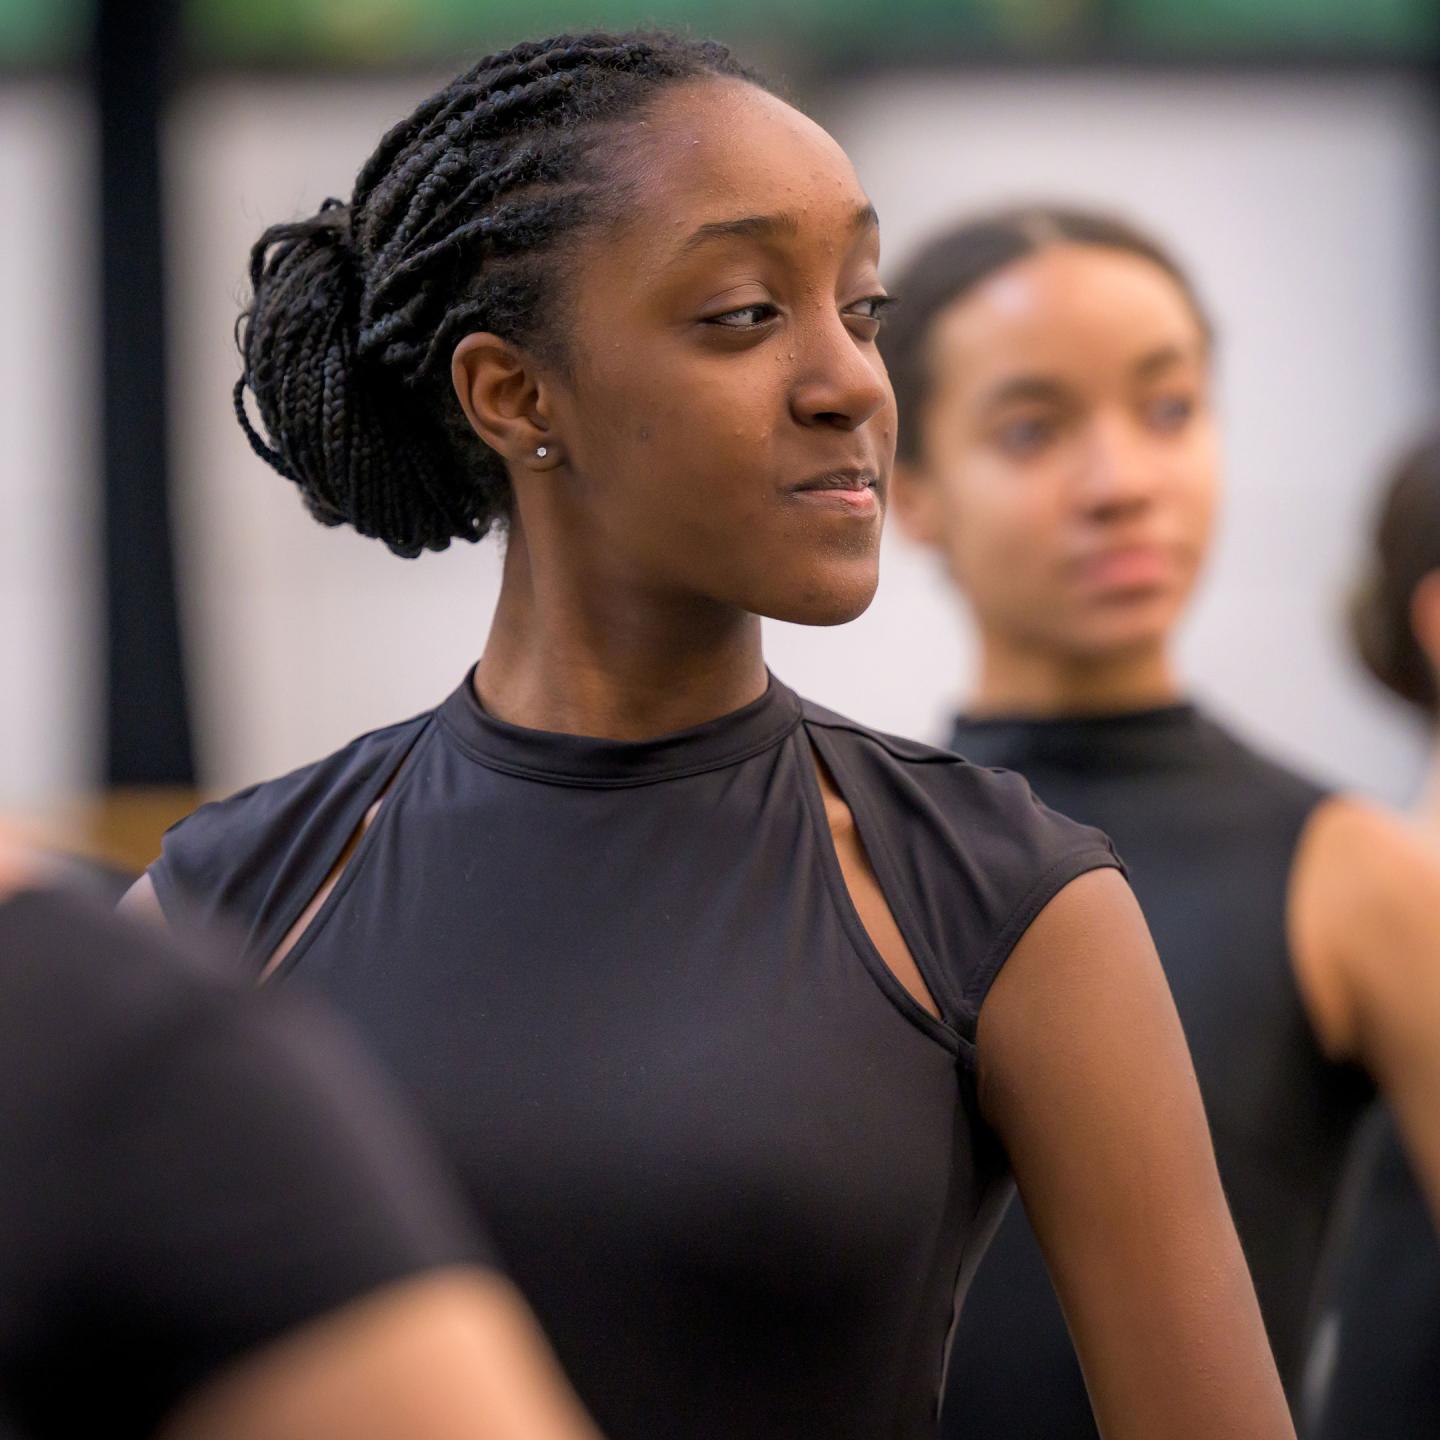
(1058, 447)
(1375, 1369)
(728, 1009)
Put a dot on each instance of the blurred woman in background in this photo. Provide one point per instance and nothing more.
(1057, 446)
(688, 974)
(1376, 1366)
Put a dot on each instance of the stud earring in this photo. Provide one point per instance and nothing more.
(541, 452)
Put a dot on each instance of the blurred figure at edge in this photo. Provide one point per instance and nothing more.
(213, 1223)
(1376, 1366)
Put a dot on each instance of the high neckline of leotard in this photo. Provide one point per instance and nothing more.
(587, 760)
(1114, 741)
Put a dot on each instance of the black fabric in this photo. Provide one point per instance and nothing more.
(1382, 1332)
(186, 1171)
(1209, 830)
(737, 1170)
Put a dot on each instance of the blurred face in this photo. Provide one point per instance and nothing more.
(1069, 467)
(726, 419)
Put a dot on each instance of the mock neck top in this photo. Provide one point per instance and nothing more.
(1209, 830)
(740, 1173)
(587, 761)
(1122, 743)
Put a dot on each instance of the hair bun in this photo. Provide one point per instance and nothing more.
(461, 221)
(352, 440)
(1405, 549)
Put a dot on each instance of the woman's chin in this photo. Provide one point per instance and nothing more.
(834, 602)
(1122, 641)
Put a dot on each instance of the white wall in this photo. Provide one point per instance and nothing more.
(1303, 206)
(1306, 210)
(49, 514)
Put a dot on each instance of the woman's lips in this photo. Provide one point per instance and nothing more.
(851, 492)
(1130, 567)
(856, 502)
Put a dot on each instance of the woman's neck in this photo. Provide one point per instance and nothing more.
(1016, 680)
(584, 655)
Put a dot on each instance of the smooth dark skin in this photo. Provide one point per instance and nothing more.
(659, 528)
(1069, 422)
(647, 544)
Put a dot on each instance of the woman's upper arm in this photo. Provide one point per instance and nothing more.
(1085, 1074)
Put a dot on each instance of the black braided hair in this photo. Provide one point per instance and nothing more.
(454, 226)
(952, 264)
(1405, 548)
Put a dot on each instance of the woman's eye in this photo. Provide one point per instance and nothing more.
(869, 312)
(747, 317)
(1025, 436)
(1169, 413)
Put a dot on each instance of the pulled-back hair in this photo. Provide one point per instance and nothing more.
(955, 262)
(1405, 549)
(454, 226)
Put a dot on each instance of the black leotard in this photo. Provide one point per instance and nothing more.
(1209, 829)
(739, 1172)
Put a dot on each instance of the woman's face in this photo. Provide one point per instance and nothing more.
(1069, 471)
(726, 420)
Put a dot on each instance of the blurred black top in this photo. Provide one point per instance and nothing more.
(187, 1170)
(1376, 1370)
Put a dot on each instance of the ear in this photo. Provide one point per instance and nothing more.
(1425, 617)
(504, 399)
(915, 503)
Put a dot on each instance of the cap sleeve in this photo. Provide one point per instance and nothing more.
(249, 864)
(967, 856)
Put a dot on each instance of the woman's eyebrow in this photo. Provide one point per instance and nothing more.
(1017, 389)
(1161, 360)
(764, 227)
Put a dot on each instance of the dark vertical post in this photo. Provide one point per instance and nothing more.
(147, 711)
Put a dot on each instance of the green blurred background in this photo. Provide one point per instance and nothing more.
(819, 33)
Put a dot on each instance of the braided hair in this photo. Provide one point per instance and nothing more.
(961, 259)
(454, 226)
